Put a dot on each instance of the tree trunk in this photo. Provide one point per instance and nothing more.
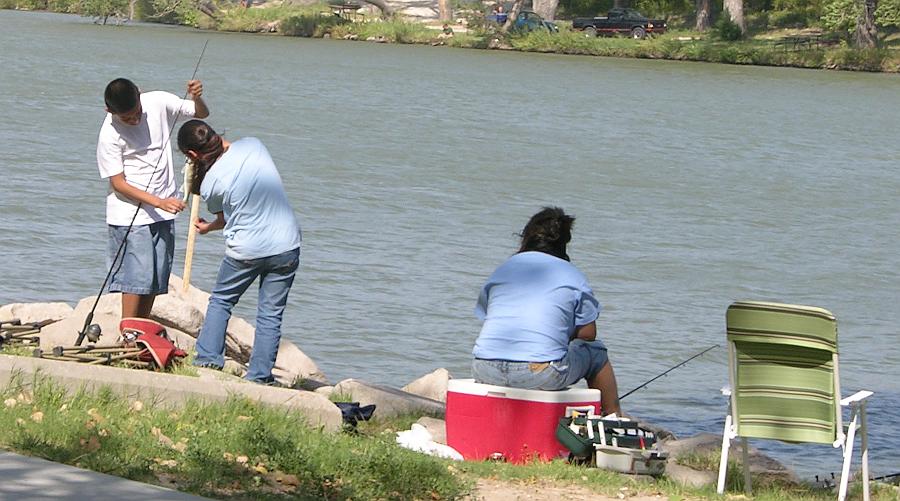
(445, 13)
(735, 10)
(702, 15)
(513, 14)
(386, 10)
(866, 35)
(546, 8)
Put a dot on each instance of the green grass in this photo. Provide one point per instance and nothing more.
(232, 450)
(240, 450)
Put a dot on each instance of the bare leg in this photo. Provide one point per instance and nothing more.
(136, 305)
(605, 381)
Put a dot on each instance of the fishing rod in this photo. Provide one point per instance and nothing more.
(91, 330)
(670, 369)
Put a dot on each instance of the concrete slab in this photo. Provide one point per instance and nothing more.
(28, 478)
(316, 409)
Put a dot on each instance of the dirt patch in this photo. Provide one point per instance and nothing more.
(497, 490)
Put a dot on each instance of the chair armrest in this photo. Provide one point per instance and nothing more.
(856, 397)
(726, 391)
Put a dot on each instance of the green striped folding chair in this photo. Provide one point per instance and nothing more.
(783, 371)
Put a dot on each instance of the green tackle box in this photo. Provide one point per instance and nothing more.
(618, 445)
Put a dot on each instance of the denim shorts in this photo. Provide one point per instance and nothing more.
(145, 263)
(583, 361)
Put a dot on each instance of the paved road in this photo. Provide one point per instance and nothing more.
(28, 478)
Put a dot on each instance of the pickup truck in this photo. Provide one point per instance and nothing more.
(619, 21)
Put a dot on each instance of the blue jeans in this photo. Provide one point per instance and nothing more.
(583, 360)
(276, 275)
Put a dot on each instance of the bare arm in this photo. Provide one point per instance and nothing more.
(195, 89)
(586, 332)
(121, 186)
(203, 226)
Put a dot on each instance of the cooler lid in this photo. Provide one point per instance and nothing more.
(470, 387)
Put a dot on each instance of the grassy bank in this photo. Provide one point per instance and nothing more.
(765, 49)
(239, 450)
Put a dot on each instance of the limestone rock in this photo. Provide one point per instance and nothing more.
(389, 401)
(688, 476)
(711, 444)
(182, 313)
(437, 428)
(34, 312)
(325, 390)
(433, 385)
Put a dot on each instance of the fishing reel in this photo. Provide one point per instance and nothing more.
(92, 332)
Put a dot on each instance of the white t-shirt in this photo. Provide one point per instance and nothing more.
(144, 154)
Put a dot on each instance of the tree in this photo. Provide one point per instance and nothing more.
(702, 15)
(511, 17)
(866, 32)
(445, 13)
(546, 8)
(102, 10)
(735, 10)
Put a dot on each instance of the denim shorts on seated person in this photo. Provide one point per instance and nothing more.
(583, 361)
(144, 264)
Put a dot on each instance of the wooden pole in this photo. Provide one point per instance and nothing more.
(192, 236)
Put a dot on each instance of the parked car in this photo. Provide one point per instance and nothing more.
(525, 21)
(619, 21)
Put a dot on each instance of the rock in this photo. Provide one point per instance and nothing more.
(437, 428)
(182, 313)
(325, 390)
(433, 385)
(701, 444)
(389, 401)
(704, 444)
(34, 312)
(689, 477)
(186, 309)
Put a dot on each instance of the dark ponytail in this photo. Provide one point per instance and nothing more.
(548, 231)
(199, 137)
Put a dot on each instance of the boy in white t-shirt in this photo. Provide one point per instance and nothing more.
(134, 153)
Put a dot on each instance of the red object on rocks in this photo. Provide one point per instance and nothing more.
(151, 336)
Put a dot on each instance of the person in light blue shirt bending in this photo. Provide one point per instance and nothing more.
(241, 186)
(539, 315)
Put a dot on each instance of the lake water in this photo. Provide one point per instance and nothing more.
(413, 167)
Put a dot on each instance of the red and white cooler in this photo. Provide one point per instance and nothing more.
(486, 421)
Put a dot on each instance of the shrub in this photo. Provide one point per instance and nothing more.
(310, 25)
(726, 29)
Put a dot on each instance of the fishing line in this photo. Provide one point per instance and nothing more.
(95, 330)
(670, 369)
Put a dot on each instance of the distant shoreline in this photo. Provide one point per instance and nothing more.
(784, 51)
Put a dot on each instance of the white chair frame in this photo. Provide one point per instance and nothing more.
(857, 404)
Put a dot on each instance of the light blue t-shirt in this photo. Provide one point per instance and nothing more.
(530, 306)
(244, 184)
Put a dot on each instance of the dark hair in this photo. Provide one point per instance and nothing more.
(121, 95)
(548, 231)
(199, 137)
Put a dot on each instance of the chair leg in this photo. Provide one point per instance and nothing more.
(745, 458)
(848, 453)
(723, 461)
(864, 446)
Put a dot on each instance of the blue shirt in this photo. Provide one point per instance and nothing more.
(530, 306)
(244, 184)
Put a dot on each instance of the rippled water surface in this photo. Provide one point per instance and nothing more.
(412, 168)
